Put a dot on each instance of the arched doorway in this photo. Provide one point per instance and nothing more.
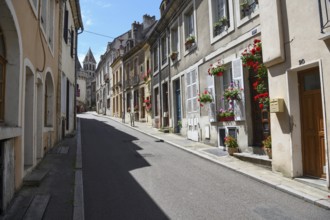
(39, 118)
(49, 101)
(28, 119)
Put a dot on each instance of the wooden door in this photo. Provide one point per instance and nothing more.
(256, 115)
(313, 147)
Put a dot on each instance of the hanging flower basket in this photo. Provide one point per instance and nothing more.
(217, 69)
(233, 92)
(204, 98)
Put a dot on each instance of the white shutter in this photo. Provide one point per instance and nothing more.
(238, 79)
(194, 91)
(212, 106)
(188, 92)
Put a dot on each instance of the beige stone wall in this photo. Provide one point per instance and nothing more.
(303, 50)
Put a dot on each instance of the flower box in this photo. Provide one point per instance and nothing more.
(229, 118)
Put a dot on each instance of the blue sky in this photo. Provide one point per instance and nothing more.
(110, 18)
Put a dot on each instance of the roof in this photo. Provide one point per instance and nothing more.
(89, 58)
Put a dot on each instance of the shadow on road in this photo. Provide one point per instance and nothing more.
(110, 191)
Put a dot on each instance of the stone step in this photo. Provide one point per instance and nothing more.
(35, 177)
(260, 160)
(37, 207)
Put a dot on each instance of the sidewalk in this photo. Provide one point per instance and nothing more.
(316, 196)
(47, 192)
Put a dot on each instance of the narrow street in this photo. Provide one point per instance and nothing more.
(129, 175)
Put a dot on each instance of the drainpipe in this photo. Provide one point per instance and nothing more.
(160, 85)
(75, 75)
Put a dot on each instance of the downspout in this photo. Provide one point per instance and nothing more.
(123, 92)
(75, 61)
(170, 96)
(75, 76)
(160, 85)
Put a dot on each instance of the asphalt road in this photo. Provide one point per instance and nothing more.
(129, 175)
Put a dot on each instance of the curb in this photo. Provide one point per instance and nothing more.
(323, 203)
(78, 200)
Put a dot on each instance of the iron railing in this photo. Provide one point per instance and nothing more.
(324, 9)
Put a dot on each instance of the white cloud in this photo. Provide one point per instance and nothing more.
(87, 19)
(103, 4)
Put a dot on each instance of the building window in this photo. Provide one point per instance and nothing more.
(189, 23)
(192, 91)
(49, 100)
(156, 101)
(135, 66)
(248, 7)
(189, 28)
(155, 58)
(47, 20)
(174, 43)
(2, 87)
(225, 82)
(220, 16)
(164, 49)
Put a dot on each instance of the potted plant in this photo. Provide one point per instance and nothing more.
(221, 24)
(204, 98)
(174, 55)
(244, 5)
(178, 126)
(231, 145)
(216, 69)
(189, 41)
(267, 145)
(232, 93)
(136, 108)
(226, 115)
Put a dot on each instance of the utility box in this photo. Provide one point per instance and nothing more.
(276, 105)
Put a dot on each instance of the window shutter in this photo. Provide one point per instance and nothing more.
(72, 42)
(194, 90)
(65, 31)
(212, 106)
(188, 92)
(238, 79)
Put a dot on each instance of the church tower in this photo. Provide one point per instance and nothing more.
(89, 64)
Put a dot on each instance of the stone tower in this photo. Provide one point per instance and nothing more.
(89, 67)
(89, 64)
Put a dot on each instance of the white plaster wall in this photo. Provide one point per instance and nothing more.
(82, 86)
(301, 33)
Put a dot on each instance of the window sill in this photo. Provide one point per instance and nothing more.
(174, 62)
(241, 22)
(7, 132)
(190, 50)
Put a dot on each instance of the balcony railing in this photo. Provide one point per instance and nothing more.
(324, 9)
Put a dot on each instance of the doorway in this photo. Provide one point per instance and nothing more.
(312, 125)
(177, 90)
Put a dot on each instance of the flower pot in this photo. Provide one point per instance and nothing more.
(232, 150)
(229, 118)
(269, 152)
(174, 56)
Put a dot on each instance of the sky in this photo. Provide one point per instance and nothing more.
(110, 18)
